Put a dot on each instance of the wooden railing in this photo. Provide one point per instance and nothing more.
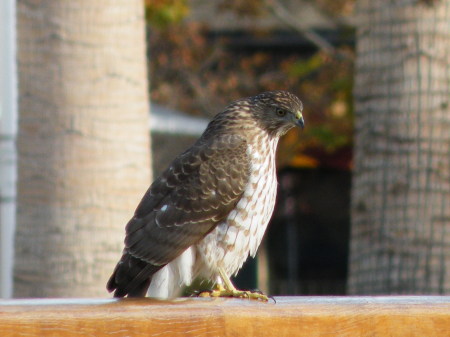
(424, 316)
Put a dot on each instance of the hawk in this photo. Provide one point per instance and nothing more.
(209, 210)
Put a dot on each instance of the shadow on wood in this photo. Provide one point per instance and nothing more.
(288, 316)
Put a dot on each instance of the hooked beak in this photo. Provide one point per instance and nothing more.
(299, 121)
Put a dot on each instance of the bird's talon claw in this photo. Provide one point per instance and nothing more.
(235, 294)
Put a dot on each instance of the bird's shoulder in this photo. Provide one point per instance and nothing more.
(219, 164)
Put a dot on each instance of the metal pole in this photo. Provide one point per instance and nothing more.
(8, 131)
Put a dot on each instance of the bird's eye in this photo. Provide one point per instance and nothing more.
(281, 112)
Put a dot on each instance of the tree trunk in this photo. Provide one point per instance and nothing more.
(401, 187)
(83, 141)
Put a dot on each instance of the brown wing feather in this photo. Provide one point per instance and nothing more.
(200, 188)
(198, 191)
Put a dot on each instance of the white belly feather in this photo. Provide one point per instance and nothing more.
(230, 244)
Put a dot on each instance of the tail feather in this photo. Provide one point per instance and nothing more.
(131, 277)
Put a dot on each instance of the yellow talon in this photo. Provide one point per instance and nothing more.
(228, 290)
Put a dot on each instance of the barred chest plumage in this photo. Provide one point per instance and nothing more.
(232, 241)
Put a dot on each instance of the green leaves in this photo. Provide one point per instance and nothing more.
(304, 68)
(163, 13)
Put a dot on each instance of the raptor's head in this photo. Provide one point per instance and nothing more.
(278, 111)
(272, 112)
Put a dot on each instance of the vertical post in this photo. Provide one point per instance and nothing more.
(83, 141)
(8, 131)
(400, 236)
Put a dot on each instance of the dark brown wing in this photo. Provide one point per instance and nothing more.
(200, 188)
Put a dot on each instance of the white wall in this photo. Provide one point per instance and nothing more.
(8, 131)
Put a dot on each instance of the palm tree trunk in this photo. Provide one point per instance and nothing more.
(83, 141)
(400, 240)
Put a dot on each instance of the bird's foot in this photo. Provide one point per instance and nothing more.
(220, 291)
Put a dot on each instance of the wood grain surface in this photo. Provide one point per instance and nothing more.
(289, 316)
